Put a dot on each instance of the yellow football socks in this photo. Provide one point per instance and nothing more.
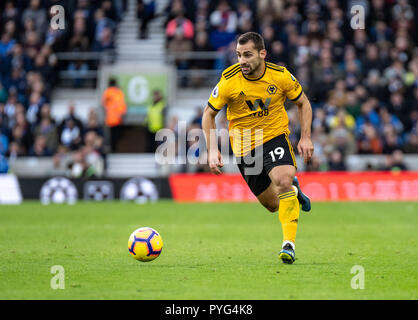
(289, 215)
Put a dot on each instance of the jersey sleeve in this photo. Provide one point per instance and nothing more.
(291, 86)
(218, 98)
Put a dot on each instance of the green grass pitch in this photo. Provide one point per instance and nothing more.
(211, 251)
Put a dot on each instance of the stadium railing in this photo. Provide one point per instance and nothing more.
(208, 77)
(127, 165)
(94, 58)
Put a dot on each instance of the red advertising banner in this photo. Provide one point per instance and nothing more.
(319, 186)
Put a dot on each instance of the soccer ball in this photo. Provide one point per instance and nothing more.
(145, 244)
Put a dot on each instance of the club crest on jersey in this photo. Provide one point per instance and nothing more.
(271, 89)
(215, 92)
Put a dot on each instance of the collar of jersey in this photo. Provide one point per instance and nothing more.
(265, 68)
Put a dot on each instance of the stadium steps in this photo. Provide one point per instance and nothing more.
(83, 100)
(129, 165)
(129, 47)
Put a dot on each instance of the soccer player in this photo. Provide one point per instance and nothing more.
(254, 92)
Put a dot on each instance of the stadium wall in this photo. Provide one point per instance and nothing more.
(96, 189)
(203, 187)
(329, 186)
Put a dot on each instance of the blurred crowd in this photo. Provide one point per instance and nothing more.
(28, 73)
(362, 83)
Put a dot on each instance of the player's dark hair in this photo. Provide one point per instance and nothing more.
(112, 82)
(255, 37)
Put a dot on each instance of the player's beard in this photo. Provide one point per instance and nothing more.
(251, 69)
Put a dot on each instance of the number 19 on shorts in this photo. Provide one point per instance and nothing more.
(279, 152)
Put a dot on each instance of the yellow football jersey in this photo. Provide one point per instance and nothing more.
(255, 104)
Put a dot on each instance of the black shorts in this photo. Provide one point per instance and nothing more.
(256, 166)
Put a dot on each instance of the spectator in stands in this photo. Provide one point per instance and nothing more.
(336, 162)
(224, 21)
(146, 10)
(39, 148)
(411, 145)
(4, 142)
(79, 40)
(179, 29)
(201, 45)
(78, 166)
(400, 109)
(32, 43)
(18, 59)
(245, 18)
(372, 60)
(70, 135)
(48, 130)
(17, 80)
(3, 93)
(113, 101)
(71, 115)
(278, 55)
(10, 12)
(10, 107)
(180, 32)
(368, 115)
(387, 119)
(341, 132)
(105, 42)
(369, 141)
(37, 14)
(87, 161)
(374, 86)
(92, 152)
(155, 119)
(314, 164)
(103, 24)
(371, 74)
(84, 9)
(35, 103)
(398, 162)
(93, 124)
(21, 135)
(4, 166)
(110, 10)
(6, 44)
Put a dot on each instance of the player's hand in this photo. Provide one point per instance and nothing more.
(305, 149)
(215, 162)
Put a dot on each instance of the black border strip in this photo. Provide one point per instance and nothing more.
(232, 70)
(233, 74)
(278, 70)
(297, 96)
(212, 107)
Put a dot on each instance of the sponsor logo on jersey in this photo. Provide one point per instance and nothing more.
(258, 102)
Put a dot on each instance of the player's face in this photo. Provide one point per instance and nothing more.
(249, 58)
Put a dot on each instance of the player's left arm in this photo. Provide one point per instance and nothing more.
(305, 146)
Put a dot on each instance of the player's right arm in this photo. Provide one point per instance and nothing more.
(209, 129)
(217, 101)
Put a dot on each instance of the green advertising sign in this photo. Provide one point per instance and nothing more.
(138, 88)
